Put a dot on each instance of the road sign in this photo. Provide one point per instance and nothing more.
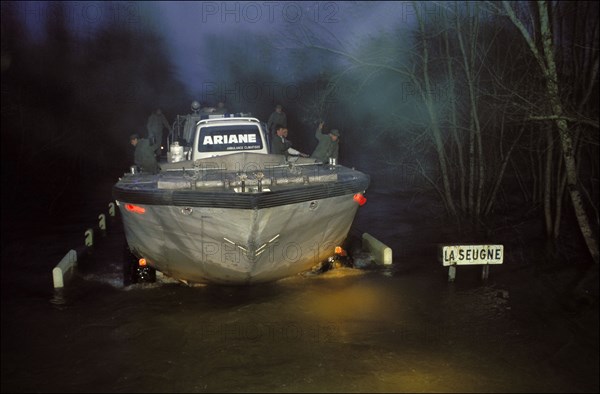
(472, 254)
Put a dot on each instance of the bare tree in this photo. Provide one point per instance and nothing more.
(544, 54)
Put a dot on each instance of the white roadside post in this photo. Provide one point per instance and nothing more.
(111, 209)
(89, 237)
(454, 255)
(102, 224)
(64, 270)
(381, 253)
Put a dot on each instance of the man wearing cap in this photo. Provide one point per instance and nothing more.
(328, 146)
(144, 154)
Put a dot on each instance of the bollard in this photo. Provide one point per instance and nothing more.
(382, 254)
(89, 237)
(111, 209)
(64, 269)
(102, 222)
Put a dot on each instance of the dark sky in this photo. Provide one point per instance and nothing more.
(360, 79)
(188, 27)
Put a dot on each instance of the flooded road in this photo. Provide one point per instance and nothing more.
(402, 328)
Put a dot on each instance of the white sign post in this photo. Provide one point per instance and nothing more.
(453, 255)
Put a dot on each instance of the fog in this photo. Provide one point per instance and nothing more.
(431, 97)
(477, 122)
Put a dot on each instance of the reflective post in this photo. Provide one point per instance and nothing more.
(89, 237)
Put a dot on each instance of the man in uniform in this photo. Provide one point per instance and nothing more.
(281, 145)
(156, 122)
(328, 146)
(143, 156)
(277, 118)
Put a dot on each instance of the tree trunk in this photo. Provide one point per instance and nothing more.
(548, 67)
(565, 135)
(428, 99)
(505, 161)
(548, 183)
(454, 127)
(477, 165)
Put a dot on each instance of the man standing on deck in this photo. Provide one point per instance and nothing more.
(328, 146)
(281, 145)
(156, 122)
(143, 156)
(277, 118)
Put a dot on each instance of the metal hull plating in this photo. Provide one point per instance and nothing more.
(238, 246)
(211, 222)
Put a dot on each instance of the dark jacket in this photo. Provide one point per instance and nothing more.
(326, 148)
(155, 125)
(280, 145)
(275, 119)
(144, 156)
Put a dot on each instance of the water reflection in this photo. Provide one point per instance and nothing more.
(398, 328)
(58, 298)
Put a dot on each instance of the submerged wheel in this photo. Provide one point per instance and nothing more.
(145, 274)
(133, 272)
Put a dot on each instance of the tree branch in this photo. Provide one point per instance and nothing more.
(593, 123)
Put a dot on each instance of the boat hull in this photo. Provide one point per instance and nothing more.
(238, 219)
(239, 246)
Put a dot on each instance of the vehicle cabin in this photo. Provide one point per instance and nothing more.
(219, 135)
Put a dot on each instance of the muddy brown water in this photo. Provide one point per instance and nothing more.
(402, 328)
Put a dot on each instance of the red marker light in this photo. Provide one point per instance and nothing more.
(340, 251)
(142, 262)
(360, 199)
(135, 208)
